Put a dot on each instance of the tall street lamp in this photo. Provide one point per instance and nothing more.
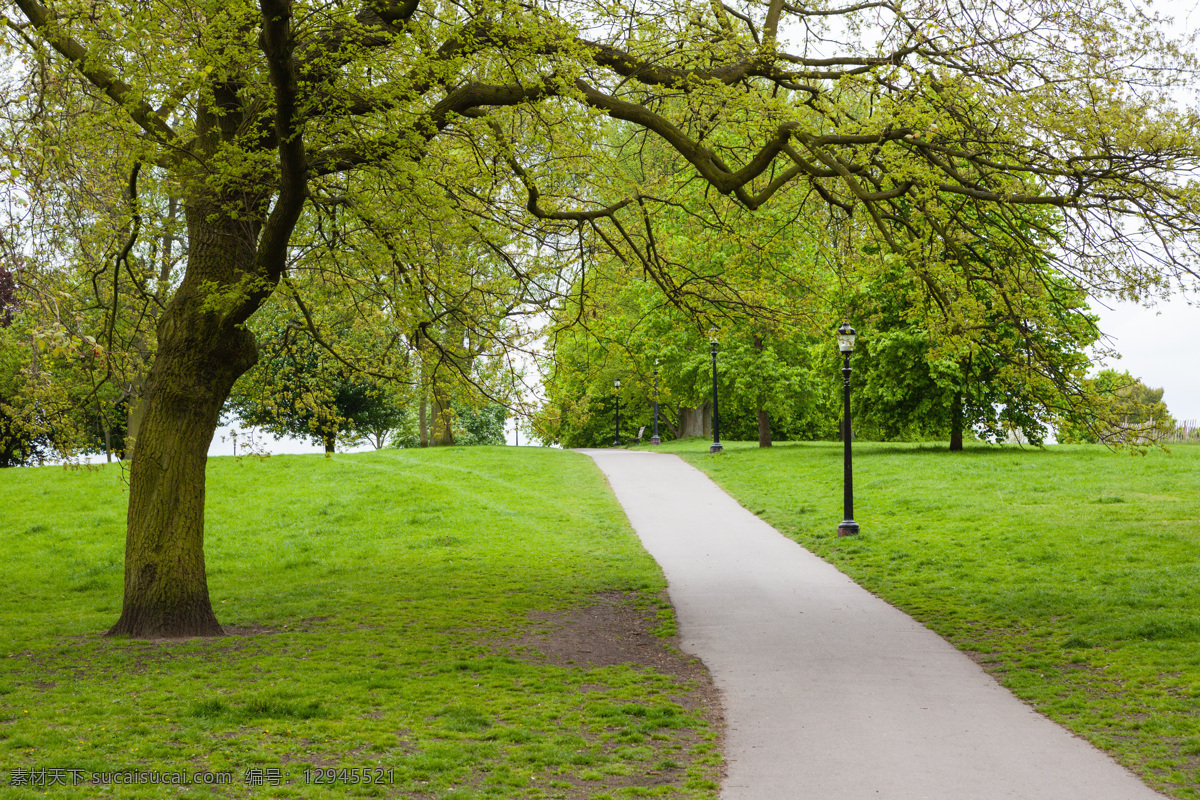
(716, 421)
(848, 526)
(654, 439)
(617, 392)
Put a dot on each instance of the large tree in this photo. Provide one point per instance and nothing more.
(998, 346)
(470, 109)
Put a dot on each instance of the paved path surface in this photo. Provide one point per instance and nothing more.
(830, 693)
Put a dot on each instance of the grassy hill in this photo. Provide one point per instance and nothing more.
(474, 622)
(386, 611)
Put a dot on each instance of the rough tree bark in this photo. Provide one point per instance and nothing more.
(443, 415)
(695, 421)
(200, 355)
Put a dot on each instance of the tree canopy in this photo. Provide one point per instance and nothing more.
(459, 162)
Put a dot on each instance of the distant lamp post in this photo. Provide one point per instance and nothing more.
(617, 391)
(654, 439)
(848, 526)
(716, 419)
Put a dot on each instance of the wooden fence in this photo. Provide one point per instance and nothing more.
(1187, 430)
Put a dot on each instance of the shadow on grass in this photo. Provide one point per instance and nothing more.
(881, 449)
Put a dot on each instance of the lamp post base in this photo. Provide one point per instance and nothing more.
(715, 448)
(617, 443)
(655, 440)
(847, 527)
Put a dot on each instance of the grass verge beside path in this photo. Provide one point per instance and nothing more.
(377, 599)
(1072, 573)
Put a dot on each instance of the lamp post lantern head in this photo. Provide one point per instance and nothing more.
(617, 383)
(845, 337)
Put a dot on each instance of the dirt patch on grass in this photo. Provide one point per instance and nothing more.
(612, 631)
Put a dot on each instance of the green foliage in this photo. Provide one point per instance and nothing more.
(1124, 410)
(1068, 572)
(21, 442)
(380, 616)
(999, 358)
(481, 426)
(751, 276)
(299, 389)
(983, 337)
(51, 406)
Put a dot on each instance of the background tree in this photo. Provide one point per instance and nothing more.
(259, 115)
(764, 375)
(1124, 410)
(51, 406)
(482, 426)
(1000, 350)
(297, 389)
(8, 297)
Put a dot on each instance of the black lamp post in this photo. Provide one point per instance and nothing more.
(848, 526)
(654, 439)
(617, 391)
(716, 421)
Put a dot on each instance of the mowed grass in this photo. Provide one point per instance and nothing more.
(375, 594)
(1073, 573)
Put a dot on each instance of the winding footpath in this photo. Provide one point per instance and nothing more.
(829, 692)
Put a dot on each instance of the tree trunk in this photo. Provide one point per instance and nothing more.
(665, 419)
(956, 422)
(695, 421)
(203, 347)
(424, 424)
(443, 416)
(201, 353)
(330, 440)
(136, 387)
(764, 427)
(764, 416)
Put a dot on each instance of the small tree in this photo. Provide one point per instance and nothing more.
(1123, 410)
(299, 389)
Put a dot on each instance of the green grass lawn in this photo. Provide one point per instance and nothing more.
(377, 596)
(1072, 573)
